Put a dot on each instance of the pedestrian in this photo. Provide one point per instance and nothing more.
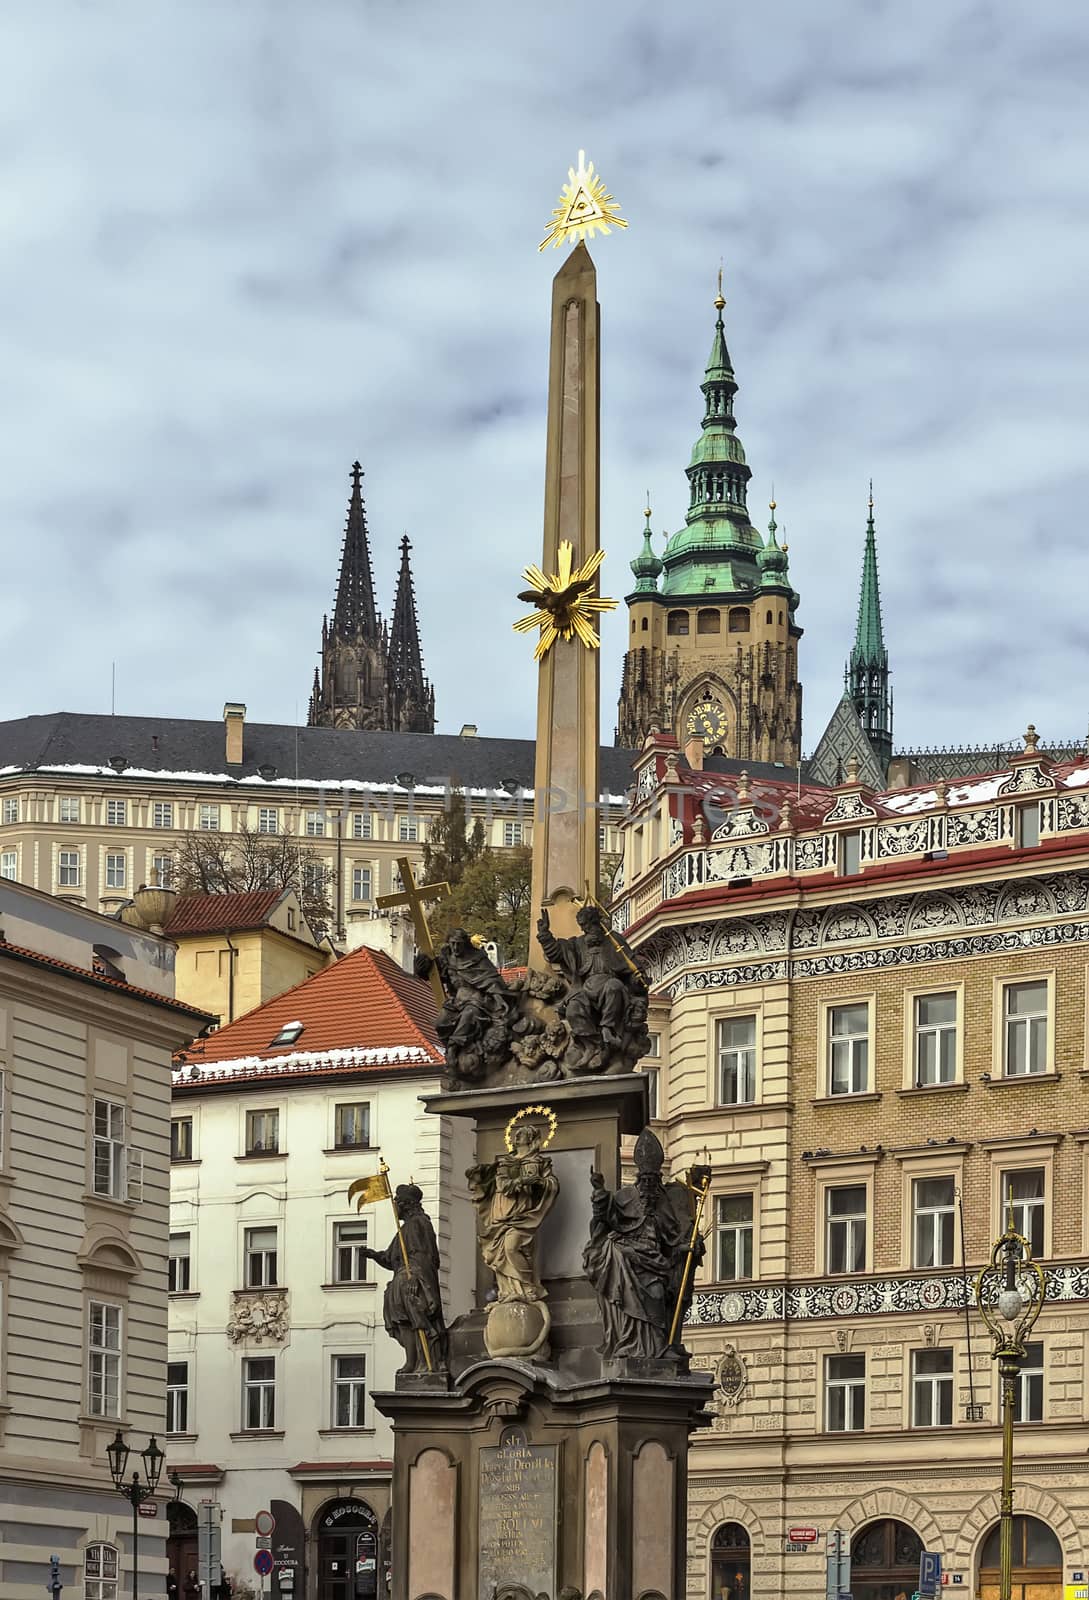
(192, 1587)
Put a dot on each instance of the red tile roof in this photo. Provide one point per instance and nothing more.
(102, 980)
(363, 1012)
(216, 913)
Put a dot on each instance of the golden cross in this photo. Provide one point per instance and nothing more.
(415, 897)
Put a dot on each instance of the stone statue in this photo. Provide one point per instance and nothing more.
(635, 1256)
(606, 1007)
(480, 1015)
(413, 1304)
(512, 1196)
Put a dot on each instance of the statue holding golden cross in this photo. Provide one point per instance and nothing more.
(415, 898)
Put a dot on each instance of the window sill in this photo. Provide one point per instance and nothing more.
(352, 1283)
(87, 1421)
(263, 1155)
(183, 1294)
(182, 1438)
(1009, 1081)
(184, 1161)
(260, 1288)
(348, 1149)
(864, 1097)
(959, 1087)
(255, 1433)
(110, 1202)
(744, 1106)
(335, 1433)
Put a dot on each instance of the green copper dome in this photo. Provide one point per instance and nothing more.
(772, 559)
(646, 566)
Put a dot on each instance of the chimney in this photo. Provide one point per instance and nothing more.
(693, 753)
(234, 720)
(468, 730)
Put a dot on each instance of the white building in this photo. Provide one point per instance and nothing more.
(88, 1025)
(276, 1334)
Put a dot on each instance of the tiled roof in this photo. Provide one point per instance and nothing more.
(101, 980)
(362, 1013)
(212, 913)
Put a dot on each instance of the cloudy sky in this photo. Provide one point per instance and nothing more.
(242, 244)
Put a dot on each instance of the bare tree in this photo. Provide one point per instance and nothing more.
(217, 863)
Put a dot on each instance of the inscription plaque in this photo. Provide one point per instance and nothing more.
(517, 1542)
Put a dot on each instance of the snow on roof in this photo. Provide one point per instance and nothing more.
(305, 1061)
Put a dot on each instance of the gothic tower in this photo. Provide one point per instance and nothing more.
(359, 684)
(867, 676)
(713, 649)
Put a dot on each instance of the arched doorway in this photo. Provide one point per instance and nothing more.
(1037, 1562)
(731, 1563)
(347, 1551)
(885, 1561)
(181, 1542)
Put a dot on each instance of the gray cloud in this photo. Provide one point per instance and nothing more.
(242, 245)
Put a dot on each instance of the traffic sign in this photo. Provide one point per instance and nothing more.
(802, 1535)
(264, 1523)
(930, 1573)
(262, 1563)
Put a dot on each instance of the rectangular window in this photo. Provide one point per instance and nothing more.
(350, 1252)
(935, 1039)
(104, 1360)
(178, 1264)
(1028, 826)
(181, 1139)
(209, 819)
(262, 1133)
(736, 1045)
(314, 878)
(1024, 1008)
(11, 809)
(845, 1228)
(177, 1397)
(362, 825)
(315, 825)
(116, 813)
(1028, 1394)
(268, 819)
(512, 833)
(162, 814)
(844, 1393)
(850, 854)
(361, 883)
(848, 1049)
(9, 864)
(408, 829)
(100, 1572)
(1024, 1191)
(162, 871)
(652, 1076)
(733, 1236)
(931, 1388)
(69, 808)
(259, 1392)
(109, 1149)
(68, 869)
(353, 1126)
(933, 1207)
(260, 1270)
(349, 1391)
(115, 869)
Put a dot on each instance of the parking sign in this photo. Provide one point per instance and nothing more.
(930, 1573)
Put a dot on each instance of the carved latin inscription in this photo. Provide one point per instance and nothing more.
(517, 1515)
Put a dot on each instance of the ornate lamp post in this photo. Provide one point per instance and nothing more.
(1010, 1294)
(133, 1490)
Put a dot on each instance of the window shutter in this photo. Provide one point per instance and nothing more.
(134, 1176)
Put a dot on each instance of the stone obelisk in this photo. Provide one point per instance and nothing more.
(565, 828)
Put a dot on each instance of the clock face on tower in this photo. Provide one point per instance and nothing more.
(706, 721)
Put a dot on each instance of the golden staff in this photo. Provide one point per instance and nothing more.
(378, 1188)
(702, 1192)
(611, 936)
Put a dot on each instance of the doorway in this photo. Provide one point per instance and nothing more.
(731, 1563)
(885, 1561)
(181, 1541)
(1037, 1562)
(348, 1551)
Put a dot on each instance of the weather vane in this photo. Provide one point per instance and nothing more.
(564, 602)
(585, 207)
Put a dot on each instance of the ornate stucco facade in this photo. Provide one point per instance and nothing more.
(871, 1010)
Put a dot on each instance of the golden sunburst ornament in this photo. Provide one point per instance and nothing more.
(564, 602)
(585, 207)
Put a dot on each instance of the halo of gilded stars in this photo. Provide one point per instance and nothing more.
(586, 207)
(564, 604)
(521, 1116)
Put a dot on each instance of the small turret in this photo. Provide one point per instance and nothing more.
(647, 566)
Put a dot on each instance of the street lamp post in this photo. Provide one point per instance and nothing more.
(133, 1490)
(1010, 1293)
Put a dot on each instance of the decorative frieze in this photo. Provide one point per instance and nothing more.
(258, 1316)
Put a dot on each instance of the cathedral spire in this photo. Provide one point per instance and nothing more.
(412, 700)
(868, 667)
(355, 615)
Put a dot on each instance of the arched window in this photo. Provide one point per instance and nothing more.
(780, 619)
(677, 623)
(644, 624)
(731, 1563)
(767, 619)
(1037, 1562)
(885, 1561)
(739, 619)
(100, 1572)
(708, 621)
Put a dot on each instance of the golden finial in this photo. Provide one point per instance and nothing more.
(771, 502)
(585, 207)
(646, 511)
(719, 301)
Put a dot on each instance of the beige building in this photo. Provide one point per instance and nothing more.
(88, 1025)
(92, 807)
(871, 1012)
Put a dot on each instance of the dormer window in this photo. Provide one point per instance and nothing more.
(288, 1034)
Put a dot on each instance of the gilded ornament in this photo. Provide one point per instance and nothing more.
(586, 207)
(564, 602)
